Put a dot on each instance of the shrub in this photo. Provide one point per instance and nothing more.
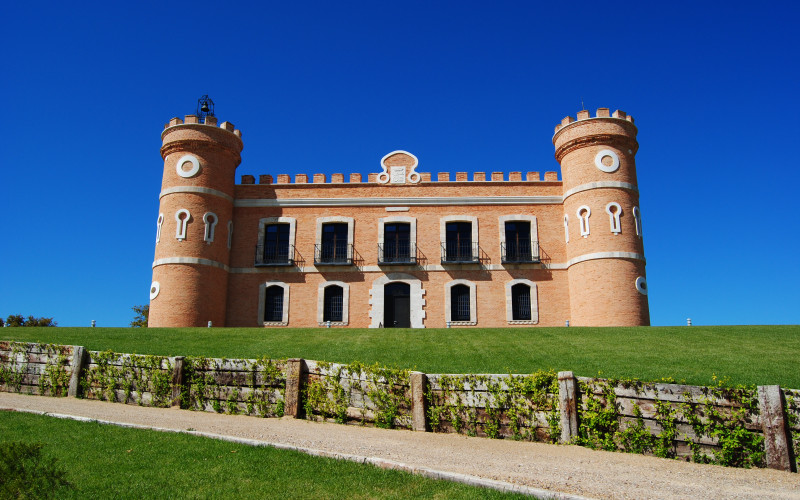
(25, 473)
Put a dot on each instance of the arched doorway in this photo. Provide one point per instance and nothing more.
(397, 305)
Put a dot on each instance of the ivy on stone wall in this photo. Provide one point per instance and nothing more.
(503, 407)
(128, 378)
(53, 379)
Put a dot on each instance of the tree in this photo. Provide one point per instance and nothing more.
(142, 315)
(19, 320)
(26, 473)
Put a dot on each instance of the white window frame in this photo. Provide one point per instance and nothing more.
(534, 231)
(637, 219)
(208, 235)
(613, 217)
(345, 303)
(159, 222)
(324, 220)
(584, 219)
(266, 221)
(262, 297)
(416, 299)
(180, 231)
(473, 303)
(534, 303)
(458, 218)
(412, 221)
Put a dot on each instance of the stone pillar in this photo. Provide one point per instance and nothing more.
(80, 359)
(568, 405)
(177, 380)
(777, 441)
(419, 414)
(296, 373)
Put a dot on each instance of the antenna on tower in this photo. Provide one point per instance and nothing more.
(205, 107)
(583, 108)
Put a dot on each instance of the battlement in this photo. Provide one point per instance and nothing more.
(601, 113)
(211, 121)
(441, 177)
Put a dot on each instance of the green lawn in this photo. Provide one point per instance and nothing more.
(104, 461)
(759, 355)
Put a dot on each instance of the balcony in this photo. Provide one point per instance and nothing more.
(333, 254)
(460, 253)
(397, 253)
(274, 255)
(519, 252)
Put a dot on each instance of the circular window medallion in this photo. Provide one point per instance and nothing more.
(185, 170)
(607, 153)
(641, 285)
(154, 289)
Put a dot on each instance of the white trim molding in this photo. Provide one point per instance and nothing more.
(159, 222)
(345, 303)
(262, 298)
(600, 185)
(194, 170)
(534, 297)
(155, 287)
(411, 221)
(566, 228)
(266, 221)
(388, 202)
(194, 190)
(584, 219)
(473, 303)
(416, 299)
(614, 211)
(190, 260)
(210, 219)
(325, 220)
(641, 285)
(607, 153)
(637, 220)
(180, 230)
(605, 255)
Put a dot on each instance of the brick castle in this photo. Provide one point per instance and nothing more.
(400, 248)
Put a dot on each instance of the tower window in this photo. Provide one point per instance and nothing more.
(614, 211)
(583, 214)
(210, 219)
(182, 217)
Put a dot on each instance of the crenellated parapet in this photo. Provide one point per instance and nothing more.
(425, 177)
(608, 128)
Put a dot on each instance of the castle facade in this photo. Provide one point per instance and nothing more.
(400, 248)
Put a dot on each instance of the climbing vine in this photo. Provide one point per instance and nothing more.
(43, 366)
(234, 386)
(512, 406)
(386, 400)
(129, 378)
(792, 412)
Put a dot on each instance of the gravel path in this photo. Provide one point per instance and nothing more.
(569, 470)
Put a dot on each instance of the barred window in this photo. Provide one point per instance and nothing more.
(459, 303)
(273, 304)
(521, 302)
(333, 303)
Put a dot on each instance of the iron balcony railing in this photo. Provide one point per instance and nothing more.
(454, 252)
(270, 254)
(333, 254)
(515, 252)
(397, 253)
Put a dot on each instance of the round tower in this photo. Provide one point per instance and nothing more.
(194, 225)
(602, 219)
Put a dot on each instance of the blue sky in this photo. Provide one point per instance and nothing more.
(333, 86)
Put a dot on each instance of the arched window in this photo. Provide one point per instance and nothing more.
(273, 304)
(461, 302)
(583, 214)
(614, 211)
(183, 217)
(333, 306)
(210, 219)
(522, 302)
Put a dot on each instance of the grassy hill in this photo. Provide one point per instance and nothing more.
(758, 355)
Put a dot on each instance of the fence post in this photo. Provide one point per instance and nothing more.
(568, 406)
(773, 420)
(419, 421)
(177, 380)
(296, 372)
(80, 359)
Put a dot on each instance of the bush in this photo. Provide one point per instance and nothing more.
(25, 473)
